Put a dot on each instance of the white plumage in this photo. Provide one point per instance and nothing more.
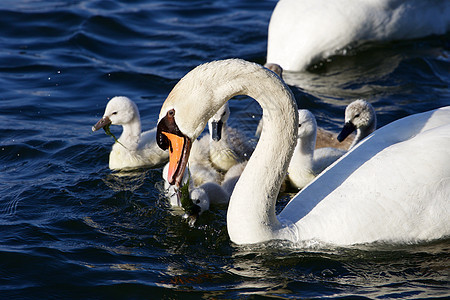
(359, 116)
(393, 187)
(134, 148)
(308, 162)
(302, 32)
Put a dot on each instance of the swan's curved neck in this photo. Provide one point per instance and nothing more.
(131, 134)
(200, 94)
(251, 214)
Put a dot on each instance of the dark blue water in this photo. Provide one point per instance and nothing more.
(71, 228)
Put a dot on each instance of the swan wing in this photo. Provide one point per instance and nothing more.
(393, 186)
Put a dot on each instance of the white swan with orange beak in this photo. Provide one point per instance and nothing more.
(392, 187)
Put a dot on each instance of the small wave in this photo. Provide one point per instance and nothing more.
(10, 207)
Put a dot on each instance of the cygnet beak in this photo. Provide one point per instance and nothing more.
(348, 128)
(101, 123)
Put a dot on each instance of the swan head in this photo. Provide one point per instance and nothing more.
(217, 122)
(359, 115)
(189, 106)
(200, 94)
(307, 125)
(200, 204)
(277, 69)
(200, 199)
(170, 137)
(119, 111)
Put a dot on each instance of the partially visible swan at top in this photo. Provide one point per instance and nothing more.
(393, 187)
(302, 32)
(308, 162)
(134, 148)
(359, 116)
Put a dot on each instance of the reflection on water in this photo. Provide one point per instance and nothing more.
(348, 77)
(373, 271)
(125, 180)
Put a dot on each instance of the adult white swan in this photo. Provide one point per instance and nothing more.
(394, 186)
(134, 149)
(305, 31)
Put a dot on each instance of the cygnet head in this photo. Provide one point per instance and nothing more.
(307, 125)
(359, 115)
(119, 111)
(200, 204)
(217, 122)
(200, 198)
(277, 69)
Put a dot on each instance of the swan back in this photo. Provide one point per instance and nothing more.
(393, 186)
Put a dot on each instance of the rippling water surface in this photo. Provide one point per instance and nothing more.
(71, 228)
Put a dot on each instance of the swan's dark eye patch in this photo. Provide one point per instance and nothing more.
(114, 113)
(167, 124)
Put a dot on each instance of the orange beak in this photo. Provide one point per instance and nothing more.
(175, 152)
(179, 148)
(169, 137)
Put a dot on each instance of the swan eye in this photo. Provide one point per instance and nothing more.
(197, 201)
(299, 125)
(114, 113)
(357, 116)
